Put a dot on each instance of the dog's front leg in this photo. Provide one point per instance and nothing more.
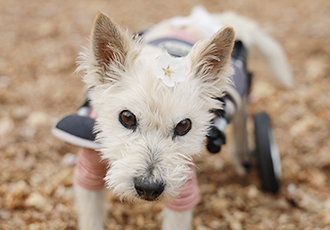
(89, 206)
(176, 220)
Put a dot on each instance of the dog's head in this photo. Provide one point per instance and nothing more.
(150, 129)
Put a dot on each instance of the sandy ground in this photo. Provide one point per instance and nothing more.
(40, 41)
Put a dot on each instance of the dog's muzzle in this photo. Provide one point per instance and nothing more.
(148, 189)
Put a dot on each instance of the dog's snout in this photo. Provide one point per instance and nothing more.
(148, 189)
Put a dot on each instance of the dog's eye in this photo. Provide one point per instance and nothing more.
(183, 127)
(127, 119)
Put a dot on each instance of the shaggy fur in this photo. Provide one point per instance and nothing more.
(122, 73)
(119, 71)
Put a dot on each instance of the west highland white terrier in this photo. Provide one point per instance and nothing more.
(153, 98)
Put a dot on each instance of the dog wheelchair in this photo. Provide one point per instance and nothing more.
(77, 128)
(266, 152)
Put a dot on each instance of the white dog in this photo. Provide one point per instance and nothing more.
(153, 109)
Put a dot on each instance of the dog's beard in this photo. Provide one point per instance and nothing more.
(173, 171)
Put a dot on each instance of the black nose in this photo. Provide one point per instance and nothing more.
(148, 189)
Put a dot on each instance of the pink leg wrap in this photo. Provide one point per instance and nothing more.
(90, 170)
(188, 197)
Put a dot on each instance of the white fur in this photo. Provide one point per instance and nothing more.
(176, 220)
(123, 78)
(89, 205)
(254, 37)
(158, 109)
(247, 31)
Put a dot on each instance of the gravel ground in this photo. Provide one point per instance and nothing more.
(40, 41)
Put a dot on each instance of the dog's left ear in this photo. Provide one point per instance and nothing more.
(209, 58)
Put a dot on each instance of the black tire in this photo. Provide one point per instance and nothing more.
(268, 157)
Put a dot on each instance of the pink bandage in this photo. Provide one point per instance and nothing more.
(90, 170)
(188, 197)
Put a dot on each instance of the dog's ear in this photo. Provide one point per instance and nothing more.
(107, 41)
(209, 58)
(111, 48)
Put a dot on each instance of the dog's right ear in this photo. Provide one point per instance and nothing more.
(111, 51)
(107, 41)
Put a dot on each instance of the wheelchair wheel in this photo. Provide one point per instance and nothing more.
(268, 157)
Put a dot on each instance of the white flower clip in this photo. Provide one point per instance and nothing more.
(170, 69)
